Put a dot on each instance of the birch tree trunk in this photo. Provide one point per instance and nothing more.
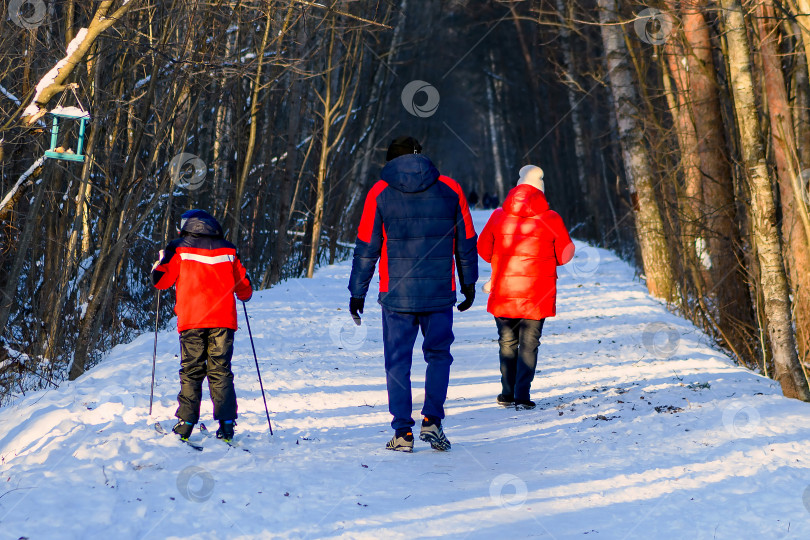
(783, 141)
(762, 207)
(650, 234)
(497, 160)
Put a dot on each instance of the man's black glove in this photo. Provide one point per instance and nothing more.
(469, 297)
(356, 308)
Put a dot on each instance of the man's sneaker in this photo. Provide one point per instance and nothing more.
(524, 404)
(225, 431)
(432, 433)
(505, 401)
(183, 429)
(401, 443)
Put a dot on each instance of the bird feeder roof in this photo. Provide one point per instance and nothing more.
(69, 112)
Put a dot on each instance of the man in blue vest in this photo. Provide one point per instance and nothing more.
(416, 222)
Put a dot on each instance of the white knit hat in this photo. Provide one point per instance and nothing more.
(532, 175)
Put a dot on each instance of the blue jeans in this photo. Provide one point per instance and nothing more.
(518, 340)
(399, 336)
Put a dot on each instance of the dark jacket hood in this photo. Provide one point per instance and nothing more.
(410, 173)
(525, 201)
(200, 223)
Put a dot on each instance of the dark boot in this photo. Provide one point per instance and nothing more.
(183, 429)
(225, 431)
(524, 404)
(505, 401)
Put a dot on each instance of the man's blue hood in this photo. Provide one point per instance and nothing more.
(201, 223)
(410, 173)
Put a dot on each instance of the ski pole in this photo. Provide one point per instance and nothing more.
(256, 358)
(154, 351)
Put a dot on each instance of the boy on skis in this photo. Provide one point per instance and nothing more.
(207, 272)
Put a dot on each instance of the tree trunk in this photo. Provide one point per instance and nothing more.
(800, 103)
(334, 100)
(762, 207)
(295, 103)
(12, 279)
(650, 233)
(573, 102)
(70, 260)
(328, 110)
(783, 142)
(378, 98)
(223, 133)
(801, 9)
(690, 198)
(247, 162)
(80, 219)
(727, 286)
(317, 215)
(497, 160)
(531, 71)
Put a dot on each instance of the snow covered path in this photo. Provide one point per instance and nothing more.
(642, 431)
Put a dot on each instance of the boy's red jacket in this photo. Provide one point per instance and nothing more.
(207, 272)
(525, 242)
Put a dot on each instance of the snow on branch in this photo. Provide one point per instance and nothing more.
(53, 81)
(9, 95)
(33, 110)
(8, 201)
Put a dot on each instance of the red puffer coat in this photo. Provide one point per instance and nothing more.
(525, 242)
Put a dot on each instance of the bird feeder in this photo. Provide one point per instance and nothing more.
(70, 114)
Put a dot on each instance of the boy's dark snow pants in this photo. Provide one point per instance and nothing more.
(206, 351)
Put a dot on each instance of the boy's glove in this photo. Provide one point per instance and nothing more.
(355, 308)
(469, 297)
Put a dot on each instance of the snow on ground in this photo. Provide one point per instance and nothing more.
(642, 430)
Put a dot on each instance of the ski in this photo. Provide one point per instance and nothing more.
(160, 429)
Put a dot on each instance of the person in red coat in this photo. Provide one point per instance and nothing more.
(525, 242)
(207, 272)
